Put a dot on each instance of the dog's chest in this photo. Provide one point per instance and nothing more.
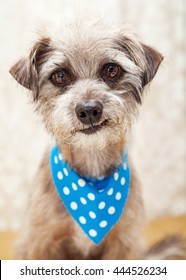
(81, 242)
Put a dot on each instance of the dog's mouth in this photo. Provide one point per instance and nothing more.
(94, 128)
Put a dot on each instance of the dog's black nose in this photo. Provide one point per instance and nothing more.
(89, 112)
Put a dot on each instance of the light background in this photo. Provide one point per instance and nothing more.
(158, 142)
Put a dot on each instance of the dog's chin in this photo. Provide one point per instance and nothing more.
(96, 137)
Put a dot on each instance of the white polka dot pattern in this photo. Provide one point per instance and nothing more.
(116, 176)
(83, 200)
(124, 166)
(74, 186)
(95, 204)
(92, 215)
(122, 181)
(91, 196)
(82, 220)
(101, 205)
(111, 210)
(118, 196)
(81, 182)
(103, 224)
(92, 232)
(60, 175)
(60, 156)
(56, 160)
(66, 190)
(110, 191)
(73, 205)
(65, 171)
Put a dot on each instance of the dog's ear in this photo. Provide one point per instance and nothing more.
(153, 60)
(26, 70)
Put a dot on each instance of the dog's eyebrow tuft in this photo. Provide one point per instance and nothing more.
(132, 48)
(145, 57)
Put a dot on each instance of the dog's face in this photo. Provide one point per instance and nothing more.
(87, 82)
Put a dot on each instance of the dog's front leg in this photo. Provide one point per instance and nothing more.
(47, 243)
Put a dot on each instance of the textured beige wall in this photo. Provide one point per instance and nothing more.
(158, 139)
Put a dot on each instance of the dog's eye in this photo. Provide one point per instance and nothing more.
(112, 71)
(60, 78)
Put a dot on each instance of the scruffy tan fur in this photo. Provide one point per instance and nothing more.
(83, 50)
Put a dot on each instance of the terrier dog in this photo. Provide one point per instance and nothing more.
(87, 84)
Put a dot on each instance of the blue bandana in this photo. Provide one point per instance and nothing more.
(96, 204)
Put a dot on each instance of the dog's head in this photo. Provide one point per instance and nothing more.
(87, 82)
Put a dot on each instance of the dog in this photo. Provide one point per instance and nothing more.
(87, 83)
